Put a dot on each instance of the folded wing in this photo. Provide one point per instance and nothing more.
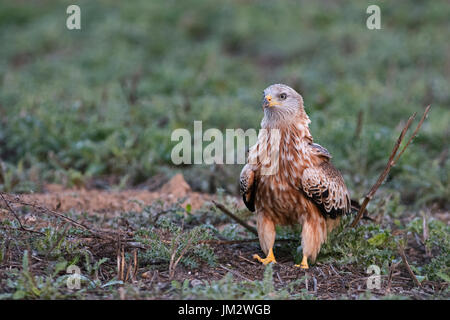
(248, 187)
(324, 185)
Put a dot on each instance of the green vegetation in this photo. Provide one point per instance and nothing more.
(104, 100)
(185, 246)
(100, 104)
(228, 289)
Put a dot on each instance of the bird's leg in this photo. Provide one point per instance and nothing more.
(304, 263)
(270, 258)
(314, 233)
(266, 235)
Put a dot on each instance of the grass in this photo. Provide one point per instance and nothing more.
(97, 106)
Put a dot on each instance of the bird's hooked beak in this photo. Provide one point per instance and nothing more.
(267, 102)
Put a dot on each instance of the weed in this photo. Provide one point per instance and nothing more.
(229, 289)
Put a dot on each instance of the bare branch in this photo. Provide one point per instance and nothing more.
(235, 273)
(214, 241)
(408, 267)
(393, 158)
(232, 216)
(102, 234)
(11, 210)
(414, 133)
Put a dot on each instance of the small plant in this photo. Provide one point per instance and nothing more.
(170, 244)
(364, 245)
(229, 289)
(436, 241)
(26, 285)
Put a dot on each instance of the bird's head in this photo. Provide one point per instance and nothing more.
(282, 104)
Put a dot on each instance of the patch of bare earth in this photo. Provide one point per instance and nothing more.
(58, 198)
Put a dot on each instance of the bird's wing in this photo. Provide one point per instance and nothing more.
(248, 187)
(325, 186)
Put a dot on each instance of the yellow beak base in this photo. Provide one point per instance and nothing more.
(268, 102)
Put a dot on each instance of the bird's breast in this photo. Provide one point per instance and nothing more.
(287, 155)
(278, 194)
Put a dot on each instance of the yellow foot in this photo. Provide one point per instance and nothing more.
(270, 258)
(304, 264)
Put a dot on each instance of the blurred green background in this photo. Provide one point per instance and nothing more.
(96, 107)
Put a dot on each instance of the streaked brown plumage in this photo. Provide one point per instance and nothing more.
(305, 188)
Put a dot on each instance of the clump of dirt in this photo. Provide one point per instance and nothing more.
(177, 187)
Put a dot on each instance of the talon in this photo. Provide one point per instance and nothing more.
(270, 258)
(303, 264)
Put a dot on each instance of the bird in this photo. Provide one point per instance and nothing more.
(288, 179)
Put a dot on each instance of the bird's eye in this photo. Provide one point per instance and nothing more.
(283, 96)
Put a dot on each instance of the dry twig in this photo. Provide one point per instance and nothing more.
(11, 210)
(214, 241)
(131, 267)
(232, 216)
(110, 235)
(235, 273)
(391, 162)
(408, 267)
(425, 234)
(392, 273)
